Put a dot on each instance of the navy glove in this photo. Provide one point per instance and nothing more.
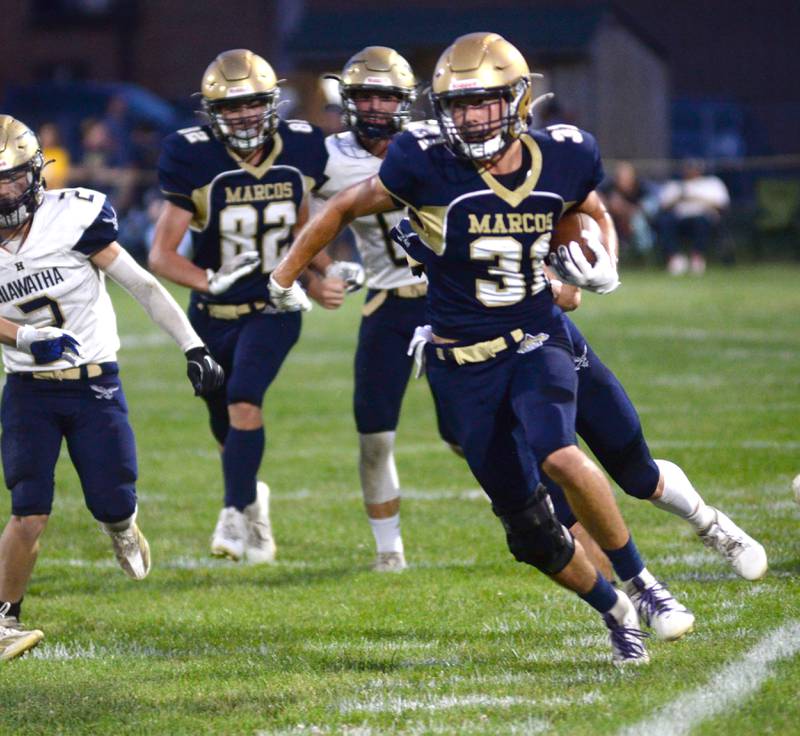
(408, 239)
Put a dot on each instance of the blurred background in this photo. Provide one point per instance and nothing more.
(696, 106)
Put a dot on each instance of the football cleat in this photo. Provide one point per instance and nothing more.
(746, 556)
(131, 550)
(15, 639)
(230, 534)
(389, 562)
(627, 639)
(659, 610)
(260, 545)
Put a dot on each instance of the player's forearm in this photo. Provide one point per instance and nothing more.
(8, 332)
(610, 239)
(154, 298)
(594, 207)
(312, 239)
(172, 266)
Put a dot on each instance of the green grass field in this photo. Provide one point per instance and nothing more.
(466, 641)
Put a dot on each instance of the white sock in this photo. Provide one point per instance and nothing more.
(681, 498)
(387, 534)
(119, 526)
(645, 576)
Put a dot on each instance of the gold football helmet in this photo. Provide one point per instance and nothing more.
(21, 164)
(479, 68)
(377, 70)
(240, 96)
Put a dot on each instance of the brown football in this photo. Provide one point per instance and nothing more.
(569, 228)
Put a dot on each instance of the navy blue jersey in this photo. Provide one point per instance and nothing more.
(237, 206)
(486, 243)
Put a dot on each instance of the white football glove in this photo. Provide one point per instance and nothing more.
(572, 266)
(350, 272)
(288, 298)
(422, 336)
(239, 266)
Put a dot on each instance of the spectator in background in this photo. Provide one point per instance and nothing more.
(103, 165)
(690, 208)
(631, 202)
(56, 156)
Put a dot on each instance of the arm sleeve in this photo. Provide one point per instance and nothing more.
(100, 233)
(155, 299)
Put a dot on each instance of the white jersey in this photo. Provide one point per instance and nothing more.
(50, 280)
(384, 261)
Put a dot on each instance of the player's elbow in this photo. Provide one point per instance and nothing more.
(155, 260)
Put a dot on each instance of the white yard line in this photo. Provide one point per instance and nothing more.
(730, 687)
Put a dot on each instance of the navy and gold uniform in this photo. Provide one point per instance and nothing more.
(239, 207)
(510, 371)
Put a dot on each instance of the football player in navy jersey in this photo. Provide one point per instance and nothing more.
(60, 343)
(485, 196)
(240, 184)
(609, 424)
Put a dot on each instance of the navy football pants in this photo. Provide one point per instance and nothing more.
(382, 367)
(509, 413)
(251, 351)
(92, 415)
(608, 423)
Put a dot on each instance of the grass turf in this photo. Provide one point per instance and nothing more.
(465, 641)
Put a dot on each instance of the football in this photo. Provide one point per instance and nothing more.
(569, 228)
(796, 488)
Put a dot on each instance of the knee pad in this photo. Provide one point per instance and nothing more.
(536, 537)
(633, 469)
(379, 482)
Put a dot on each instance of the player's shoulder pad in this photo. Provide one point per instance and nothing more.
(79, 204)
(302, 131)
(424, 133)
(568, 139)
(186, 141)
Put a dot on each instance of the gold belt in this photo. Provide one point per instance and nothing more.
(480, 351)
(409, 291)
(89, 370)
(235, 311)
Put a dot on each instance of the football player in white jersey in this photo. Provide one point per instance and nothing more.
(60, 346)
(377, 88)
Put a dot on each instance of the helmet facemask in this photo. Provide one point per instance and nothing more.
(487, 140)
(21, 192)
(253, 123)
(374, 124)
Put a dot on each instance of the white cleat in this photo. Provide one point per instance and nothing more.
(746, 556)
(627, 639)
(659, 609)
(230, 534)
(389, 562)
(260, 545)
(131, 550)
(15, 639)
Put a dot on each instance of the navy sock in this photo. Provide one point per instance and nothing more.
(241, 458)
(602, 596)
(14, 608)
(626, 560)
